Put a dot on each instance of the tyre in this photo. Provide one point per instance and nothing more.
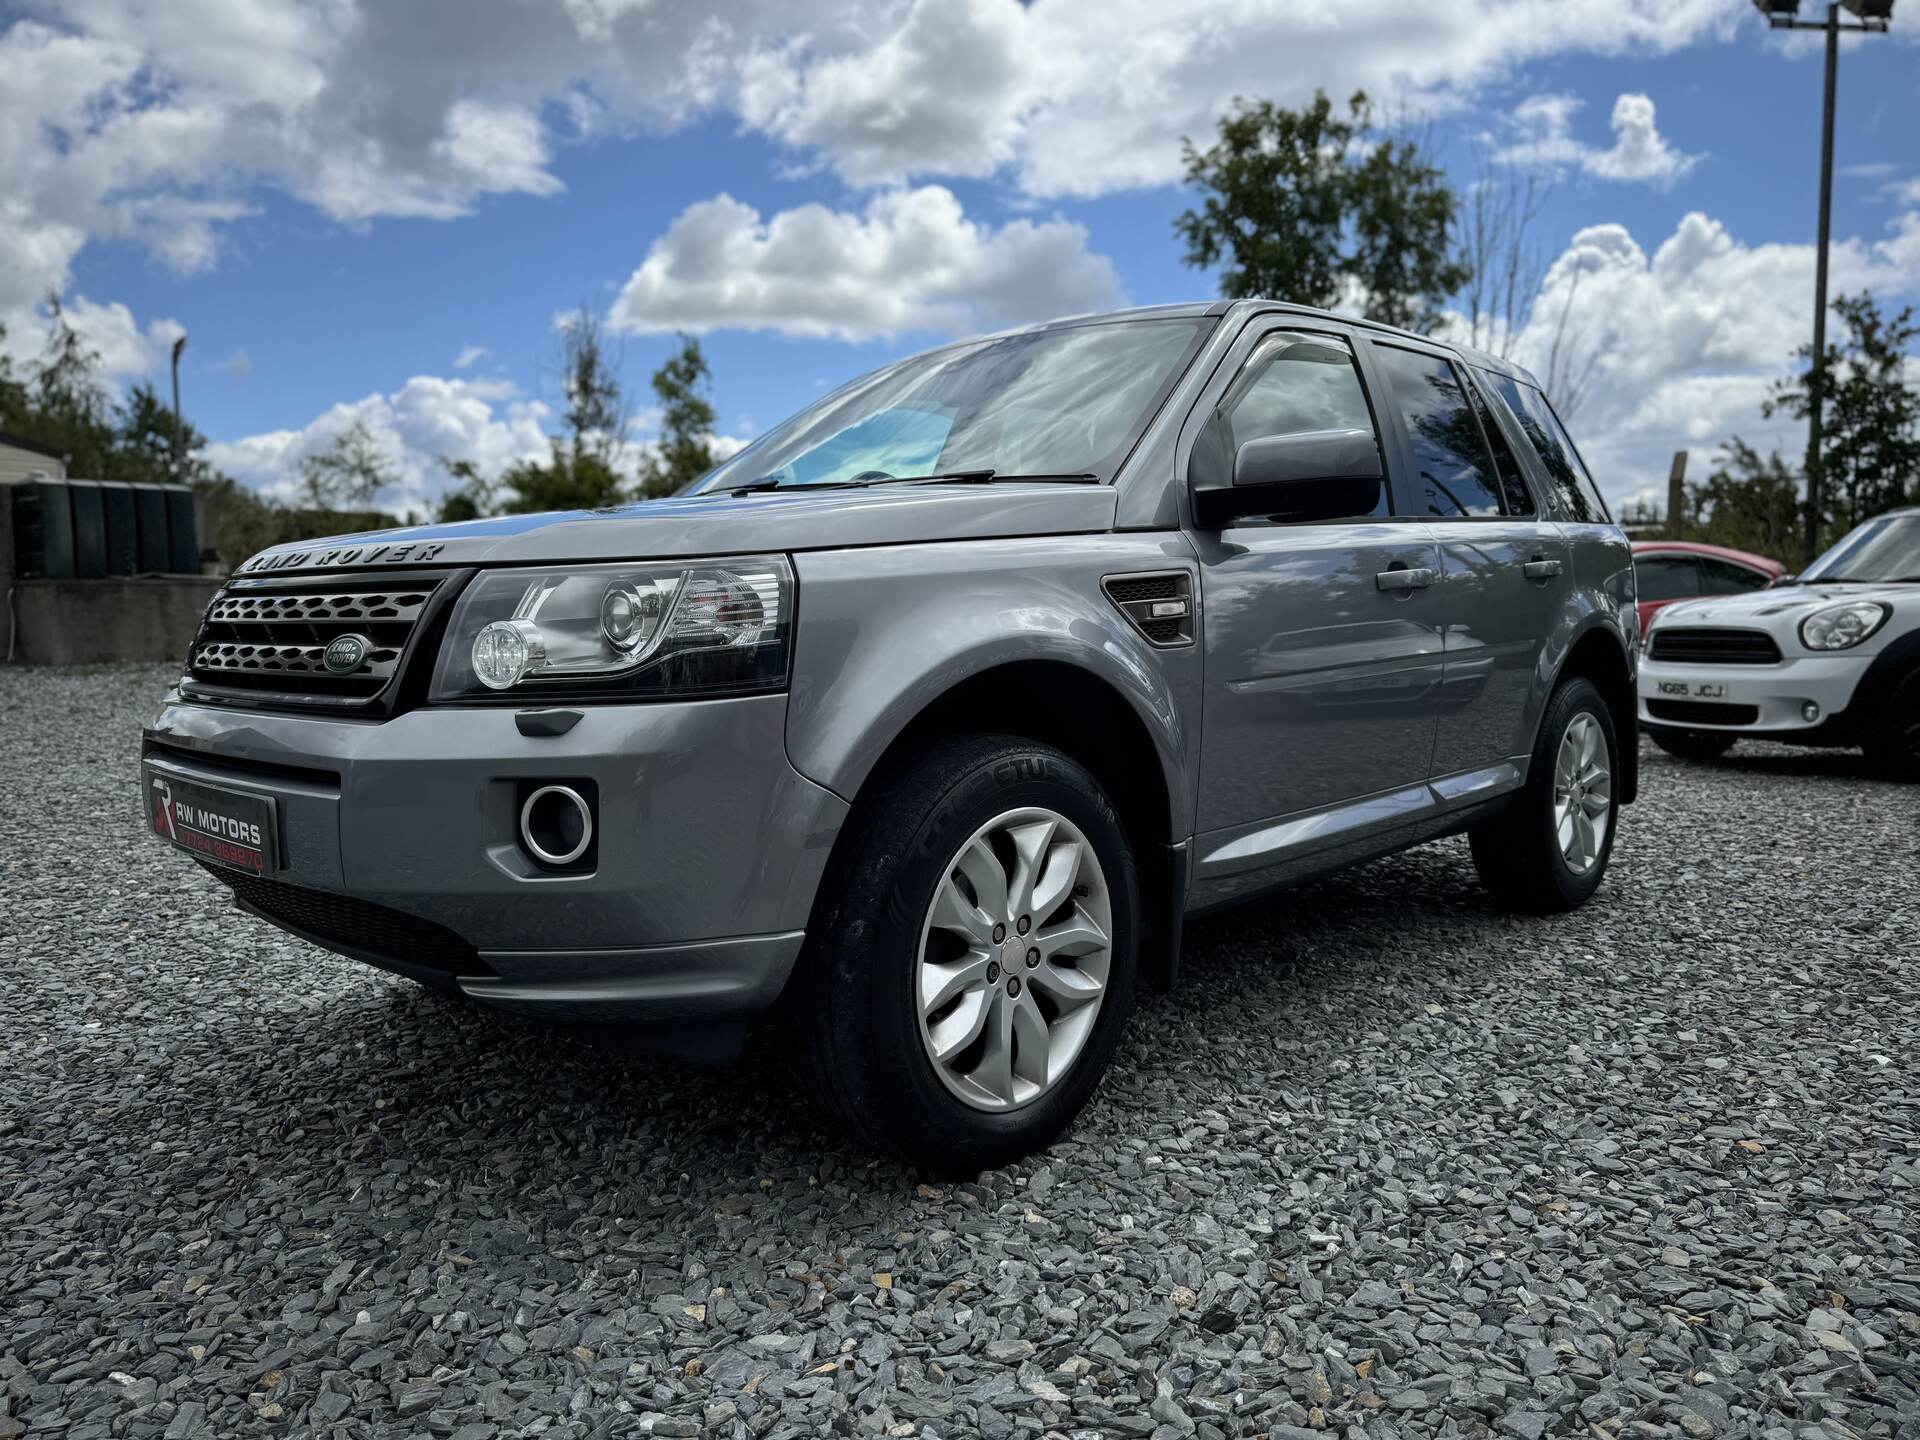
(1893, 742)
(1548, 850)
(1693, 744)
(972, 959)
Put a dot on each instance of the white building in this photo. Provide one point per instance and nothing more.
(22, 459)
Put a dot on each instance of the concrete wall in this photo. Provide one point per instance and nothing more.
(85, 622)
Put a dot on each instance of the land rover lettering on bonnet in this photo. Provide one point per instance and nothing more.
(922, 722)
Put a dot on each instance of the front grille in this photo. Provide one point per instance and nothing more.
(1703, 712)
(1701, 646)
(357, 927)
(272, 635)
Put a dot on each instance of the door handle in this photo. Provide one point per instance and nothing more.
(1538, 569)
(1417, 578)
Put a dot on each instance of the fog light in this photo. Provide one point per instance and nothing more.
(1810, 712)
(505, 651)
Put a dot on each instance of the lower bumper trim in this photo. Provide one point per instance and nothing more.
(732, 976)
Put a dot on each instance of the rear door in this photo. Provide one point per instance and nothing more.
(1507, 568)
(1323, 649)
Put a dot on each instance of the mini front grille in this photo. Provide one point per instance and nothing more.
(272, 636)
(1702, 712)
(1698, 645)
(358, 928)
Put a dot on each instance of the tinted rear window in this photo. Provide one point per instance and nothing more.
(1456, 471)
(1573, 487)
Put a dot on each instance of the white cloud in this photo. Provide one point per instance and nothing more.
(910, 262)
(238, 365)
(1545, 140)
(158, 122)
(1685, 342)
(470, 356)
(487, 422)
(127, 352)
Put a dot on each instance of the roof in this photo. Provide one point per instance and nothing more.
(1718, 552)
(20, 442)
(1244, 309)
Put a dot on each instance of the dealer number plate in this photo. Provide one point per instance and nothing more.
(225, 826)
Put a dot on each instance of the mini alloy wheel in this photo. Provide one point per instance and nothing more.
(1014, 958)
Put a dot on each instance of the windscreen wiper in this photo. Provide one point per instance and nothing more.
(766, 484)
(982, 477)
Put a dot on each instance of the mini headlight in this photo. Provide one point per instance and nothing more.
(1841, 627)
(630, 631)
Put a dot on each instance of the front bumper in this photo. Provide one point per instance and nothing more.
(398, 847)
(1758, 699)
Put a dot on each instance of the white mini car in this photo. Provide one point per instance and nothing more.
(1829, 658)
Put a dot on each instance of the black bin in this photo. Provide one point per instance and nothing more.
(183, 540)
(122, 527)
(43, 529)
(150, 509)
(89, 529)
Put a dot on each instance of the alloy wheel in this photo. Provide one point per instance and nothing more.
(1582, 793)
(1014, 957)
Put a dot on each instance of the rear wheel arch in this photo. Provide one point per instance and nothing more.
(1600, 656)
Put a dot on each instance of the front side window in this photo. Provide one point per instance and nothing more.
(1449, 450)
(1666, 577)
(1573, 487)
(1053, 403)
(1295, 384)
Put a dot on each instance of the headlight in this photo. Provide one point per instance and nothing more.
(636, 631)
(1841, 627)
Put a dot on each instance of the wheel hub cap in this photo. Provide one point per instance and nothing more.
(1014, 957)
(1582, 793)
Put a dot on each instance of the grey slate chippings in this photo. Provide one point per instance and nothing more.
(1389, 1165)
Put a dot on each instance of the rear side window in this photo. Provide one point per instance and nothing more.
(1723, 577)
(1513, 480)
(1666, 577)
(1449, 450)
(1573, 487)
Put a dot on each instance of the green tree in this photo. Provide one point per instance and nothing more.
(1748, 501)
(583, 472)
(470, 497)
(684, 451)
(1870, 445)
(1315, 207)
(348, 473)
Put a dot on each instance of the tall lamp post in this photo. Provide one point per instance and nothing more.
(1873, 18)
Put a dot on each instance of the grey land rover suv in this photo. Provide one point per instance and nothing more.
(925, 720)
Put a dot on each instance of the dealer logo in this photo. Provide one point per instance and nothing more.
(345, 653)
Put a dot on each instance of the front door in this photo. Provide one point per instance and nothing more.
(1323, 643)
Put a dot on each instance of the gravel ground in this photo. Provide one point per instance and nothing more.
(1390, 1164)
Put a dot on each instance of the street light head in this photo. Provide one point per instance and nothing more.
(1777, 9)
(1870, 9)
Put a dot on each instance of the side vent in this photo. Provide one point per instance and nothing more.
(1159, 603)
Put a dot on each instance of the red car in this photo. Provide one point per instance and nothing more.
(1670, 570)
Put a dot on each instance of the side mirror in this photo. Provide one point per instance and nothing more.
(1314, 475)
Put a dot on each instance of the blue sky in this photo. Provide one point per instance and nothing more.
(355, 213)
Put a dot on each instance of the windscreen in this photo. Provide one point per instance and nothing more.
(1879, 552)
(1067, 402)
